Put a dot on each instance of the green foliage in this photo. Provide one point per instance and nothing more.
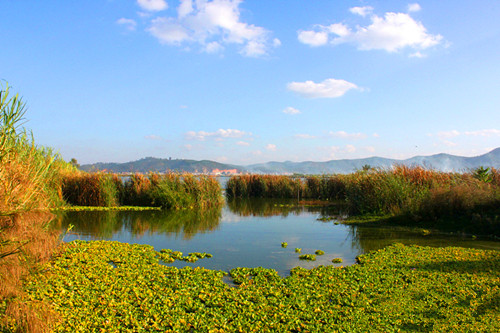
(169, 256)
(284, 244)
(319, 252)
(122, 287)
(483, 174)
(310, 257)
(337, 260)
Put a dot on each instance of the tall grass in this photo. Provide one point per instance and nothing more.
(468, 202)
(91, 189)
(171, 191)
(29, 180)
(28, 174)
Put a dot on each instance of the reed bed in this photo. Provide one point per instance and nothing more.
(168, 191)
(29, 174)
(91, 189)
(468, 202)
(29, 183)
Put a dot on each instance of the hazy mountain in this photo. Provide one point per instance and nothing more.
(442, 162)
(161, 165)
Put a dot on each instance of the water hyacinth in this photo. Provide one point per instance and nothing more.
(389, 290)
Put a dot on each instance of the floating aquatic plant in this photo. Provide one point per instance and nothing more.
(319, 252)
(298, 250)
(310, 257)
(284, 244)
(337, 260)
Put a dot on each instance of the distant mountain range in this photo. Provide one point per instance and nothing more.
(441, 162)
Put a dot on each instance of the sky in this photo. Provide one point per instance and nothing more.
(254, 81)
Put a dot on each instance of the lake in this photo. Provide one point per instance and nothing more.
(249, 233)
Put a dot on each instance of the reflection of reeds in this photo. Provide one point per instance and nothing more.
(413, 192)
(25, 243)
(102, 225)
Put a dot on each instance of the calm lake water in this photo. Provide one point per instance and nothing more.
(248, 233)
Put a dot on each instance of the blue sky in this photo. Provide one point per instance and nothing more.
(254, 81)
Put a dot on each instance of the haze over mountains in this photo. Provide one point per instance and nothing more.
(440, 162)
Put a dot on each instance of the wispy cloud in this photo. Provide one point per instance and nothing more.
(414, 7)
(212, 25)
(454, 133)
(290, 110)
(391, 32)
(243, 143)
(485, 132)
(271, 147)
(153, 5)
(329, 88)
(362, 11)
(345, 135)
(448, 134)
(217, 135)
(129, 24)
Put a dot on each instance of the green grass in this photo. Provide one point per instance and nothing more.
(122, 287)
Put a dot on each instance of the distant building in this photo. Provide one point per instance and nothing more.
(226, 172)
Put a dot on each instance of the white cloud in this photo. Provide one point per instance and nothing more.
(349, 149)
(449, 143)
(362, 11)
(290, 110)
(393, 32)
(127, 23)
(212, 24)
(417, 54)
(243, 143)
(485, 132)
(329, 88)
(345, 135)
(152, 5)
(414, 7)
(271, 147)
(169, 31)
(217, 135)
(448, 134)
(213, 47)
(313, 38)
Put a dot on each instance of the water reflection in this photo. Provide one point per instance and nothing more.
(103, 225)
(248, 233)
(283, 207)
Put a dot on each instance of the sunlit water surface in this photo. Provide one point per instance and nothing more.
(249, 234)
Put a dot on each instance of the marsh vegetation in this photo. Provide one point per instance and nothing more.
(117, 286)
